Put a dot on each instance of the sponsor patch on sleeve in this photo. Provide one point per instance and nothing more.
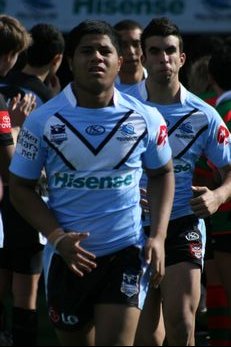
(5, 124)
(28, 144)
(162, 134)
(223, 135)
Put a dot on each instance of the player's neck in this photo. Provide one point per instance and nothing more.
(132, 78)
(88, 99)
(40, 73)
(163, 93)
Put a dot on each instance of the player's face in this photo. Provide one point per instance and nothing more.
(131, 49)
(163, 58)
(8, 62)
(95, 63)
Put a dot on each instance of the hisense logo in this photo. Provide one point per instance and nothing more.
(39, 4)
(128, 7)
(66, 180)
(38, 10)
(218, 5)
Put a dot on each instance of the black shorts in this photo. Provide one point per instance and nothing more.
(26, 260)
(184, 241)
(17, 232)
(120, 278)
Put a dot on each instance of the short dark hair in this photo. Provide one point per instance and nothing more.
(47, 42)
(162, 26)
(127, 24)
(90, 27)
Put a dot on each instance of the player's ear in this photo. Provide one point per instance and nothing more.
(120, 62)
(182, 59)
(142, 59)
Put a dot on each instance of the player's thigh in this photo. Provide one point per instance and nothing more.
(150, 330)
(181, 289)
(83, 337)
(115, 324)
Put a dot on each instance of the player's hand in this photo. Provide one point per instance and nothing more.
(155, 256)
(77, 258)
(20, 108)
(204, 202)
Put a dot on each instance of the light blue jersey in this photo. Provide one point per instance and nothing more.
(122, 87)
(93, 159)
(194, 128)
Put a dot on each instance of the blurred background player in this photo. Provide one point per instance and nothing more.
(21, 256)
(14, 39)
(132, 70)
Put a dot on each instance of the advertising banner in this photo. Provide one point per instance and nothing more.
(192, 16)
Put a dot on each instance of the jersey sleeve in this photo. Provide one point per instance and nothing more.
(28, 159)
(158, 149)
(218, 146)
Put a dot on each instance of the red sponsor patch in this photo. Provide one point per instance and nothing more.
(162, 135)
(223, 135)
(5, 124)
(54, 315)
(195, 250)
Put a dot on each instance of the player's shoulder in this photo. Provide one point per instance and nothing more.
(200, 104)
(137, 105)
(51, 107)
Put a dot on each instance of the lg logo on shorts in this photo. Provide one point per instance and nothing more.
(69, 319)
(66, 319)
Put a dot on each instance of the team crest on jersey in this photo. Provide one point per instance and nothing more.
(58, 133)
(163, 132)
(223, 135)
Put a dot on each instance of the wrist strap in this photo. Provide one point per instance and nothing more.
(56, 236)
(56, 242)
